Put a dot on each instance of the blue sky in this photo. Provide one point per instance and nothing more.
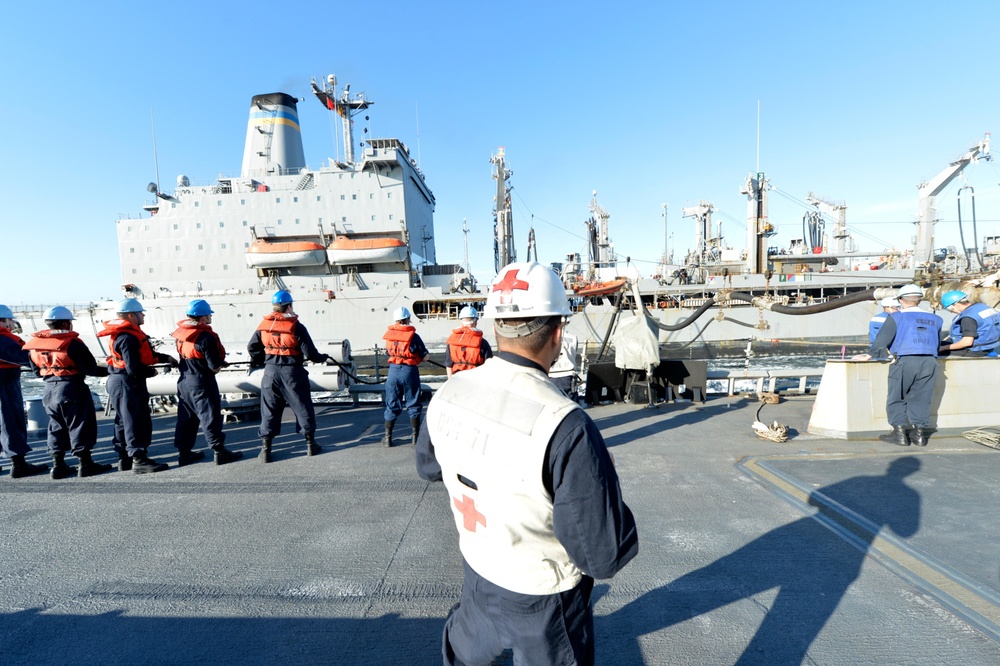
(646, 103)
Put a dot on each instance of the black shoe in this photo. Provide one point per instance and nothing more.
(144, 465)
(898, 436)
(387, 440)
(919, 436)
(21, 467)
(312, 448)
(415, 426)
(265, 450)
(188, 457)
(60, 470)
(90, 468)
(124, 462)
(224, 455)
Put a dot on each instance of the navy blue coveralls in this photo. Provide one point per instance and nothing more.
(594, 525)
(69, 404)
(199, 402)
(13, 426)
(285, 381)
(129, 397)
(403, 384)
(913, 336)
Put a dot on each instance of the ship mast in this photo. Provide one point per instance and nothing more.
(345, 107)
(758, 226)
(503, 225)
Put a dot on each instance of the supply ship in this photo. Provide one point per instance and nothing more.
(354, 239)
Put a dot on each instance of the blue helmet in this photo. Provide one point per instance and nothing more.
(952, 297)
(129, 305)
(5, 312)
(281, 297)
(199, 308)
(468, 312)
(58, 313)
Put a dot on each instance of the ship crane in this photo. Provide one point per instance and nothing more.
(345, 107)
(923, 251)
(838, 211)
(601, 216)
(703, 225)
(503, 223)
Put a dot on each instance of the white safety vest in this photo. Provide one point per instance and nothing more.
(491, 426)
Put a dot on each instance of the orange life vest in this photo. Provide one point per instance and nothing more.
(116, 327)
(48, 351)
(465, 347)
(397, 343)
(20, 343)
(187, 334)
(277, 333)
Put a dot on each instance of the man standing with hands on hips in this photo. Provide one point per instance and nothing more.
(532, 488)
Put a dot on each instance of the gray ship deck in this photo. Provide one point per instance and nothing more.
(748, 548)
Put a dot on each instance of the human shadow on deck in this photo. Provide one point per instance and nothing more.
(663, 419)
(810, 565)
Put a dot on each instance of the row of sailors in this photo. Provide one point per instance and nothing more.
(280, 344)
(975, 330)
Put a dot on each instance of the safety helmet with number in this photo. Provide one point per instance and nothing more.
(468, 312)
(5, 312)
(526, 290)
(199, 308)
(129, 305)
(400, 313)
(281, 297)
(58, 313)
(952, 297)
(910, 290)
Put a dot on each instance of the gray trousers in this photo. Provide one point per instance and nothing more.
(911, 387)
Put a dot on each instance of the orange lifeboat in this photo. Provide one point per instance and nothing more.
(380, 250)
(275, 254)
(599, 288)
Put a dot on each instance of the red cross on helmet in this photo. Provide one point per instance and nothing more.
(526, 290)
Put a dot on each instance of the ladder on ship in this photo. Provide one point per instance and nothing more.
(267, 129)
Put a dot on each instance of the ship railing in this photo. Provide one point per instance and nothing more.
(769, 380)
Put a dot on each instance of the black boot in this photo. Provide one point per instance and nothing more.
(387, 440)
(224, 455)
(60, 470)
(188, 457)
(312, 448)
(415, 424)
(265, 450)
(90, 468)
(124, 462)
(919, 436)
(21, 467)
(143, 464)
(897, 436)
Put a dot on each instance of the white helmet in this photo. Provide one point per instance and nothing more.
(400, 313)
(910, 290)
(525, 290)
(468, 312)
(889, 302)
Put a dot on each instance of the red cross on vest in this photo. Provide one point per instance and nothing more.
(467, 507)
(509, 283)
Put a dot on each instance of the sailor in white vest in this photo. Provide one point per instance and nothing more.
(532, 487)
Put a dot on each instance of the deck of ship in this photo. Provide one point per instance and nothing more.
(814, 550)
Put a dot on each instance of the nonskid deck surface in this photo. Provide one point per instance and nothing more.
(349, 558)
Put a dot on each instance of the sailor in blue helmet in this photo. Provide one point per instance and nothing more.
(889, 305)
(13, 426)
(130, 363)
(199, 402)
(281, 344)
(912, 336)
(531, 485)
(63, 362)
(975, 330)
(406, 351)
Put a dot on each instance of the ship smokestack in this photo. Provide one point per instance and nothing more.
(274, 142)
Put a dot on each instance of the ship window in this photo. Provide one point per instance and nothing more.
(246, 245)
(243, 202)
(295, 199)
(130, 228)
(222, 224)
(202, 268)
(390, 216)
(354, 197)
(175, 227)
(319, 198)
(277, 199)
(131, 250)
(244, 223)
(371, 195)
(225, 267)
(150, 270)
(149, 249)
(198, 226)
(179, 269)
(342, 197)
(200, 246)
(197, 204)
(343, 219)
(177, 248)
(219, 202)
(279, 221)
(145, 228)
(373, 218)
(173, 205)
(223, 246)
(296, 220)
(388, 195)
(134, 271)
